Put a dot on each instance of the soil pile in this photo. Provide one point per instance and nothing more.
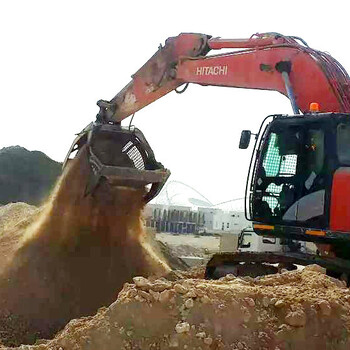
(187, 250)
(14, 219)
(74, 259)
(13, 213)
(293, 310)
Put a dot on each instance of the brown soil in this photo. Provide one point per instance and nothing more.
(15, 217)
(289, 311)
(13, 213)
(74, 259)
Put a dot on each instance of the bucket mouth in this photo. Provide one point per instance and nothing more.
(123, 157)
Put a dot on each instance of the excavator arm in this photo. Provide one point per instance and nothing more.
(265, 61)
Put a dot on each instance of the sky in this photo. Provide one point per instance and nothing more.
(59, 57)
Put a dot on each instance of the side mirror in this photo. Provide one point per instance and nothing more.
(245, 139)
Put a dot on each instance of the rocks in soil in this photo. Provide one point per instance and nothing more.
(298, 309)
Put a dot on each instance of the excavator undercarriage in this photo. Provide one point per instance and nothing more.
(256, 264)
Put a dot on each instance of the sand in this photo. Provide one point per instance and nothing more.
(74, 258)
(293, 310)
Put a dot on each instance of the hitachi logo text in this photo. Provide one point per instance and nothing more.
(215, 70)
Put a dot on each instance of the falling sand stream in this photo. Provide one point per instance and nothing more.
(75, 258)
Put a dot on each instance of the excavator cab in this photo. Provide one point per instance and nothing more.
(298, 189)
(298, 184)
(120, 155)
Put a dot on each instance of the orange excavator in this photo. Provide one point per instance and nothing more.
(298, 186)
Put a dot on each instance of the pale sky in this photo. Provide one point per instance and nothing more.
(59, 57)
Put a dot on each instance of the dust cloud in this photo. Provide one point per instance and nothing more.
(75, 259)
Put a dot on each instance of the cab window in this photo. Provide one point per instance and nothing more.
(343, 143)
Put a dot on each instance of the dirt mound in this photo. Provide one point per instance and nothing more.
(14, 219)
(74, 259)
(187, 250)
(294, 310)
(13, 213)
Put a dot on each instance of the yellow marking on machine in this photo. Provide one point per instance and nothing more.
(315, 232)
(264, 227)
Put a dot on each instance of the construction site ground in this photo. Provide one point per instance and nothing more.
(80, 273)
(190, 245)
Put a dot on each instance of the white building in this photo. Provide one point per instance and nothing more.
(176, 219)
(217, 220)
(157, 210)
(172, 218)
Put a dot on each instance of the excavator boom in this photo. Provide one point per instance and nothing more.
(265, 61)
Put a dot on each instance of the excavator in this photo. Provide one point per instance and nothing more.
(298, 184)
